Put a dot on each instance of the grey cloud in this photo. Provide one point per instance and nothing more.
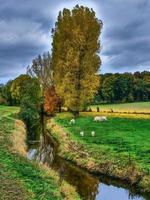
(25, 32)
(125, 39)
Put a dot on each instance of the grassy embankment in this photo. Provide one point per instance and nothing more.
(120, 148)
(21, 179)
(136, 107)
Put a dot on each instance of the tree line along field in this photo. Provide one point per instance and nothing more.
(123, 87)
(136, 107)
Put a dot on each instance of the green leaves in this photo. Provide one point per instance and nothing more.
(31, 101)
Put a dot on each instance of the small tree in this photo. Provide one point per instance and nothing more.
(75, 58)
(30, 103)
(6, 94)
(52, 102)
(41, 68)
(16, 86)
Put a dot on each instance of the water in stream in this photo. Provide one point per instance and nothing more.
(89, 187)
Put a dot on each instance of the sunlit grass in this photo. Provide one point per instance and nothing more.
(117, 137)
(8, 110)
(137, 107)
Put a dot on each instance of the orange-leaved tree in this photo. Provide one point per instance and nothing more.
(52, 102)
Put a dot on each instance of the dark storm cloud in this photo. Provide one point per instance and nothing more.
(25, 32)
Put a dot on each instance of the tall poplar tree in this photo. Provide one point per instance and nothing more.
(75, 57)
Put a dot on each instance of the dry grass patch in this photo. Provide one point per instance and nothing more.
(18, 138)
(120, 115)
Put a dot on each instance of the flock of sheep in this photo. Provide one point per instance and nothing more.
(96, 119)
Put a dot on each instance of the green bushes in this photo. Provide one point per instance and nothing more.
(30, 104)
(5, 94)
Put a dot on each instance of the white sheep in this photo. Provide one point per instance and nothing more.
(72, 121)
(93, 133)
(97, 119)
(100, 118)
(82, 133)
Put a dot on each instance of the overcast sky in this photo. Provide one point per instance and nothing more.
(25, 27)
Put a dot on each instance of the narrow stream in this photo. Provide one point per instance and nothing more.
(90, 187)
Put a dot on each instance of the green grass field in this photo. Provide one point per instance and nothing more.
(116, 139)
(138, 107)
(21, 179)
(8, 110)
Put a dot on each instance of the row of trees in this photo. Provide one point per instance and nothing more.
(117, 87)
(124, 87)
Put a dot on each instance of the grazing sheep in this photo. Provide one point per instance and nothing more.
(72, 121)
(100, 118)
(82, 133)
(93, 133)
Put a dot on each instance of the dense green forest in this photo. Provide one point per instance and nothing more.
(125, 87)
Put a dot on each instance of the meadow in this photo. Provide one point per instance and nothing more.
(136, 107)
(118, 136)
(120, 147)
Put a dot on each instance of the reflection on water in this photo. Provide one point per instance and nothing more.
(106, 192)
(89, 187)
